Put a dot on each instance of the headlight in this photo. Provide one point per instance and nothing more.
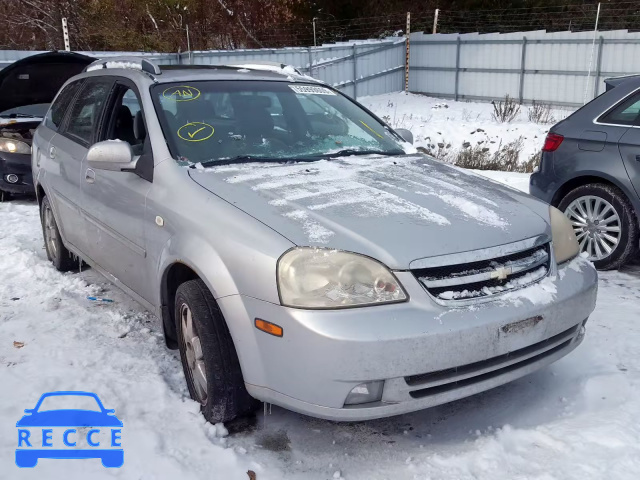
(14, 146)
(322, 278)
(565, 244)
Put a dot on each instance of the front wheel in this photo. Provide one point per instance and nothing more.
(208, 355)
(604, 222)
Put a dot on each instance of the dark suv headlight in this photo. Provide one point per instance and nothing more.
(10, 145)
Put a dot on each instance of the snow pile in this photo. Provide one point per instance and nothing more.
(114, 64)
(448, 126)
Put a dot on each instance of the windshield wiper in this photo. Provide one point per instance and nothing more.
(243, 159)
(353, 151)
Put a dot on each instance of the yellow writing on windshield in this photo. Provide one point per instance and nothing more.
(181, 93)
(195, 132)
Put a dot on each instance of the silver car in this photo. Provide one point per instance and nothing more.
(298, 250)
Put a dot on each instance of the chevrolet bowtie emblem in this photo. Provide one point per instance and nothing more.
(501, 273)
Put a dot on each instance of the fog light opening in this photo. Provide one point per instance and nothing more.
(11, 178)
(365, 393)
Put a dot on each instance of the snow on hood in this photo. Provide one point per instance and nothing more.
(395, 209)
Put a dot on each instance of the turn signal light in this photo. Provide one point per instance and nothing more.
(552, 142)
(268, 327)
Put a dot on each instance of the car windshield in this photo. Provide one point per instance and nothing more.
(214, 122)
(69, 402)
(38, 110)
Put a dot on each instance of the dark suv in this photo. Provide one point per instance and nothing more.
(590, 170)
(27, 87)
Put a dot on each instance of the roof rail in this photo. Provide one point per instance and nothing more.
(131, 62)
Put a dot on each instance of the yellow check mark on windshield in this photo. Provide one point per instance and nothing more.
(196, 132)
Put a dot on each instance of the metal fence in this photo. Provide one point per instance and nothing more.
(356, 68)
(560, 68)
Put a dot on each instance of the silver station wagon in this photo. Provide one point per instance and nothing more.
(298, 250)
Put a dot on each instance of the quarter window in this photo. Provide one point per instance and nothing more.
(625, 113)
(86, 111)
(55, 115)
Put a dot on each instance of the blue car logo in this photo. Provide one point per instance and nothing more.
(55, 433)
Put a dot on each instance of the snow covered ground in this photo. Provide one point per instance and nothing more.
(437, 123)
(578, 419)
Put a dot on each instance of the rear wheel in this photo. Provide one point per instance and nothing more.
(604, 222)
(4, 196)
(61, 258)
(208, 355)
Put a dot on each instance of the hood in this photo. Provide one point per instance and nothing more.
(394, 209)
(20, 129)
(37, 79)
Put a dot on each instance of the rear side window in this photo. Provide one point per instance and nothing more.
(54, 117)
(86, 111)
(625, 113)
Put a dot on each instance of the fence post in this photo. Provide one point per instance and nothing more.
(65, 33)
(406, 60)
(523, 59)
(310, 63)
(435, 21)
(457, 67)
(598, 67)
(355, 71)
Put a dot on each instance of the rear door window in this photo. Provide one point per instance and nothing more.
(86, 111)
(56, 113)
(625, 113)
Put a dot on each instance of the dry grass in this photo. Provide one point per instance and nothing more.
(540, 113)
(505, 111)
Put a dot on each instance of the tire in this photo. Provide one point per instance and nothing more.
(598, 196)
(4, 196)
(210, 354)
(57, 253)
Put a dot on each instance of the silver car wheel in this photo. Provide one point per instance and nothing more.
(193, 351)
(50, 233)
(597, 226)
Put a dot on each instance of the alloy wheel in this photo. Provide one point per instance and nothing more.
(194, 353)
(596, 224)
(50, 232)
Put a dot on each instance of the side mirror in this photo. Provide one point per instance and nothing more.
(113, 155)
(406, 135)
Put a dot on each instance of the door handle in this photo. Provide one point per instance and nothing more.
(90, 176)
(52, 152)
(637, 158)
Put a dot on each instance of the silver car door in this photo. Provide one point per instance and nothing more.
(114, 202)
(57, 170)
(68, 151)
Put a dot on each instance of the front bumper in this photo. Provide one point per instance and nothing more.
(425, 353)
(20, 165)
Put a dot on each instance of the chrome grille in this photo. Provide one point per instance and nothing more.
(482, 279)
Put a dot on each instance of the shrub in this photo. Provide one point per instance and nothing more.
(506, 158)
(532, 162)
(506, 110)
(540, 113)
